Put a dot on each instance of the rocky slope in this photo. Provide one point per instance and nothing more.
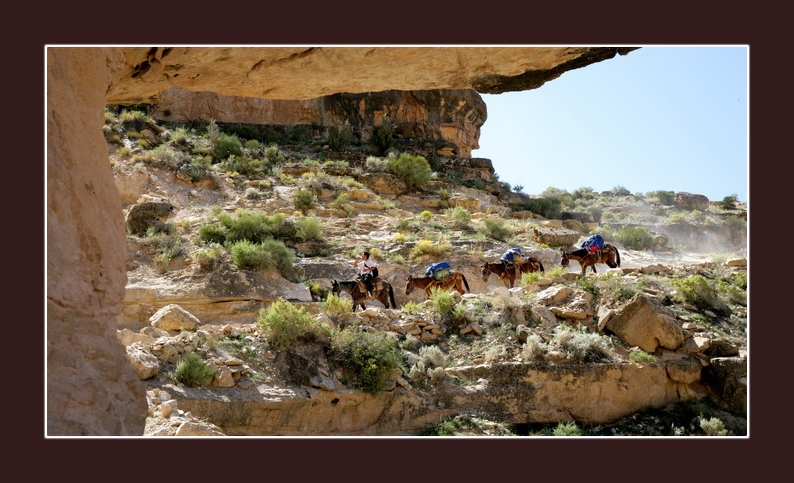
(176, 304)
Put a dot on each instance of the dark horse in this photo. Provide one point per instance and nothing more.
(455, 280)
(382, 292)
(507, 274)
(609, 255)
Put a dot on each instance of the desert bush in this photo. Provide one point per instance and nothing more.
(729, 202)
(534, 349)
(424, 248)
(529, 278)
(666, 198)
(698, 291)
(460, 216)
(304, 201)
(336, 307)
(225, 145)
(247, 255)
(252, 193)
(134, 120)
(567, 429)
(371, 358)
(375, 164)
(635, 237)
(284, 324)
(443, 301)
(556, 271)
(580, 346)
(383, 137)
(430, 366)
(497, 229)
(415, 171)
(242, 164)
(163, 156)
(248, 225)
(209, 257)
(199, 168)
(212, 233)
(713, 427)
(192, 371)
(340, 138)
(642, 357)
(309, 228)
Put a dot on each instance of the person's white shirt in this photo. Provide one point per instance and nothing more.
(366, 266)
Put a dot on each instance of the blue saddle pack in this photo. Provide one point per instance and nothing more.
(439, 270)
(594, 241)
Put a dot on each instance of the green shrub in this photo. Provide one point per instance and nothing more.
(242, 164)
(212, 233)
(271, 253)
(443, 301)
(248, 225)
(415, 171)
(635, 237)
(224, 146)
(530, 278)
(666, 198)
(371, 358)
(309, 228)
(134, 120)
(304, 201)
(340, 138)
(642, 357)
(192, 371)
(208, 258)
(336, 307)
(382, 137)
(567, 429)
(547, 207)
(497, 229)
(729, 202)
(460, 216)
(285, 324)
(248, 255)
(696, 290)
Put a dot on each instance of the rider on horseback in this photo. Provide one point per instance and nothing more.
(367, 271)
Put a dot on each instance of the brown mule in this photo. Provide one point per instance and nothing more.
(507, 273)
(608, 255)
(455, 280)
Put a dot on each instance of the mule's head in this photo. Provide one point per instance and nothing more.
(335, 288)
(409, 285)
(486, 272)
(565, 260)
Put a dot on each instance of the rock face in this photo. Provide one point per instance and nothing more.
(91, 388)
(448, 120)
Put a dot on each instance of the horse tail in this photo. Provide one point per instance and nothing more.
(465, 282)
(391, 297)
(540, 264)
(617, 255)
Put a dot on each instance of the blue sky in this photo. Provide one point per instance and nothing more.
(671, 118)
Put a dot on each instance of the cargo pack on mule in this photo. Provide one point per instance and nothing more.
(593, 243)
(439, 270)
